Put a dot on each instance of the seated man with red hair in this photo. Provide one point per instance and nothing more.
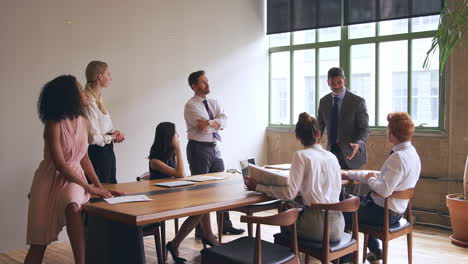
(399, 172)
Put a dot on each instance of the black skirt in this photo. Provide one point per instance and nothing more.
(103, 160)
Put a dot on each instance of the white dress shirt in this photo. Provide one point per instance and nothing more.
(399, 172)
(194, 110)
(99, 124)
(315, 174)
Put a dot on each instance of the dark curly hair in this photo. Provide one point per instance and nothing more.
(60, 99)
(162, 148)
(306, 129)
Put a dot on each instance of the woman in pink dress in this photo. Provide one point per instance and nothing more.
(59, 187)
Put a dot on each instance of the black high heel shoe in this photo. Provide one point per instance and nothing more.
(207, 242)
(176, 258)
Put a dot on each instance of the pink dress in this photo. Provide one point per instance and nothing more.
(51, 192)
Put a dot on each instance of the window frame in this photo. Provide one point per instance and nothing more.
(344, 45)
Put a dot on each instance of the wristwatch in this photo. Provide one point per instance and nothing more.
(210, 122)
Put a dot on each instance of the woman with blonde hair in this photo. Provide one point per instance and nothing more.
(102, 134)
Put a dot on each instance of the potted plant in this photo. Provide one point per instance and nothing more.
(452, 26)
(457, 204)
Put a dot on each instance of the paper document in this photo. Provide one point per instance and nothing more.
(268, 176)
(286, 166)
(127, 199)
(174, 183)
(204, 178)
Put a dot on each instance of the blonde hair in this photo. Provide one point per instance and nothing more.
(92, 72)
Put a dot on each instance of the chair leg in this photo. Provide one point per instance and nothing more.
(356, 256)
(385, 251)
(157, 244)
(364, 253)
(220, 216)
(409, 240)
(250, 226)
(176, 225)
(163, 240)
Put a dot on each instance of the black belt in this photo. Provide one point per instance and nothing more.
(203, 143)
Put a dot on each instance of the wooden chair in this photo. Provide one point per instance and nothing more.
(386, 232)
(249, 210)
(254, 250)
(327, 251)
(158, 230)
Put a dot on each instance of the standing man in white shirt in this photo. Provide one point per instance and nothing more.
(399, 172)
(205, 119)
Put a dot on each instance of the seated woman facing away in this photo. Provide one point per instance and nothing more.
(315, 175)
(166, 162)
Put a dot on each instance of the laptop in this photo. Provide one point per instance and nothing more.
(244, 164)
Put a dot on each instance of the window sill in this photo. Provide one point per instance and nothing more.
(374, 131)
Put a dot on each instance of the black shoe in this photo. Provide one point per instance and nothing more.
(346, 259)
(198, 235)
(233, 231)
(375, 255)
(176, 258)
(207, 242)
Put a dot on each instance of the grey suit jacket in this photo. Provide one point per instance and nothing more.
(353, 126)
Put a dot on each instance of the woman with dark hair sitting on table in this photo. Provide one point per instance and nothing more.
(166, 162)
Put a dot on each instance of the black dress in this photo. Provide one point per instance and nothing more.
(156, 175)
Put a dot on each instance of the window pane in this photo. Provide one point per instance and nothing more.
(425, 86)
(362, 77)
(280, 87)
(282, 39)
(393, 79)
(392, 27)
(362, 30)
(304, 82)
(303, 37)
(329, 34)
(328, 58)
(425, 23)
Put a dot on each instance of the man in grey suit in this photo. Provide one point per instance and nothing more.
(345, 117)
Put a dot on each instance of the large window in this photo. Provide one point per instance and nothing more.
(382, 61)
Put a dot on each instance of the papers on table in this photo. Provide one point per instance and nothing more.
(268, 176)
(174, 184)
(285, 166)
(127, 199)
(204, 178)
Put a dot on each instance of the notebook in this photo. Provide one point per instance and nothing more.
(204, 178)
(174, 184)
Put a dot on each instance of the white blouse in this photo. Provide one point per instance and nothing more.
(315, 174)
(99, 125)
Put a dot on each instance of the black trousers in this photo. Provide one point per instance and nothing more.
(205, 157)
(370, 213)
(103, 160)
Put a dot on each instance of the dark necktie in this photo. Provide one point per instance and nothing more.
(391, 152)
(334, 122)
(210, 114)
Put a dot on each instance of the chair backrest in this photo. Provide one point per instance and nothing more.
(143, 177)
(405, 194)
(349, 205)
(285, 218)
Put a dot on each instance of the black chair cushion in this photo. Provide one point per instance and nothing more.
(242, 250)
(150, 228)
(393, 228)
(345, 241)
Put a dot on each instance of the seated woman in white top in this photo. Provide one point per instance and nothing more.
(315, 176)
(399, 172)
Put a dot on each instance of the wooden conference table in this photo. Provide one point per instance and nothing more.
(114, 231)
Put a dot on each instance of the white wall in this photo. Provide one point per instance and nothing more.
(151, 47)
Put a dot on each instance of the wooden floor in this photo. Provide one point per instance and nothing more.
(431, 245)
